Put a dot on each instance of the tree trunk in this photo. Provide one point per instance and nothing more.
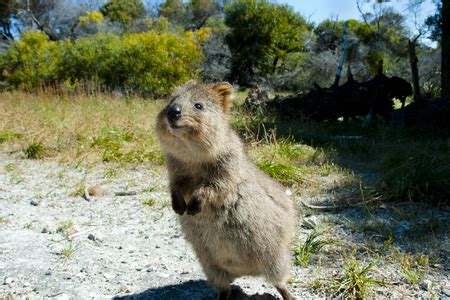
(342, 57)
(445, 45)
(274, 65)
(414, 69)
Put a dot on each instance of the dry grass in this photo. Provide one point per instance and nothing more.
(81, 129)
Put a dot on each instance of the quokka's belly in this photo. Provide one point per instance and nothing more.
(231, 248)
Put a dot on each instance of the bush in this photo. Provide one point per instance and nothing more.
(149, 63)
(31, 61)
(417, 174)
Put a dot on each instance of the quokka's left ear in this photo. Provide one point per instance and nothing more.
(225, 92)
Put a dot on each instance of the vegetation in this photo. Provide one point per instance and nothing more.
(261, 36)
(312, 245)
(356, 280)
(150, 63)
(123, 12)
(81, 129)
(76, 91)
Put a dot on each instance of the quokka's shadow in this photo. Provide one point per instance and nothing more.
(192, 290)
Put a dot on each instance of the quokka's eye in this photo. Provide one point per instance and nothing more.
(198, 106)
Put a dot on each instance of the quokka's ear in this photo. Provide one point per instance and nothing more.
(225, 92)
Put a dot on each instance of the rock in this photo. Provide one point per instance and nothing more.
(426, 285)
(108, 275)
(45, 230)
(163, 275)
(94, 238)
(34, 202)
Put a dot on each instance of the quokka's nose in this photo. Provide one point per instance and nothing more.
(174, 113)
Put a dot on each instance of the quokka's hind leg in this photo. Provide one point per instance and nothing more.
(278, 274)
(284, 292)
(220, 280)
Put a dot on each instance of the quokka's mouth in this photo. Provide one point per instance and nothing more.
(173, 125)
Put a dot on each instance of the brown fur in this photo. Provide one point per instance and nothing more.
(239, 221)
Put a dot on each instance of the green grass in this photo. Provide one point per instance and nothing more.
(65, 227)
(35, 150)
(68, 251)
(312, 245)
(283, 172)
(414, 267)
(356, 280)
(149, 202)
(6, 136)
(417, 172)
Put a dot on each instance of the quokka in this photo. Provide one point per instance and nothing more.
(239, 221)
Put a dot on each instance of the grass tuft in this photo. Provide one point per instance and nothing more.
(68, 251)
(312, 245)
(149, 202)
(35, 150)
(356, 280)
(414, 267)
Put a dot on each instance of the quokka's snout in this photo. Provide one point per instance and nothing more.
(173, 113)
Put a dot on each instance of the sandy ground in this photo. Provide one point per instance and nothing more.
(55, 244)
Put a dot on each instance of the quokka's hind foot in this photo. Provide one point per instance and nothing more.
(284, 292)
(224, 294)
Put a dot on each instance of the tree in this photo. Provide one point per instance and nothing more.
(123, 11)
(445, 45)
(262, 34)
(5, 19)
(190, 15)
(175, 11)
(384, 32)
(434, 22)
(201, 11)
(38, 13)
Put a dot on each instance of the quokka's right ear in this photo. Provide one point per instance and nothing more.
(225, 92)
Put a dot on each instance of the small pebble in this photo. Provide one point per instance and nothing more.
(163, 275)
(34, 202)
(92, 237)
(426, 285)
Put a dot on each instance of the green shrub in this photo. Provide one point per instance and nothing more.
(149, 63)
(31, 61)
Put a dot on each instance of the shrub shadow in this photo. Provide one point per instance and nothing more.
(192, 289)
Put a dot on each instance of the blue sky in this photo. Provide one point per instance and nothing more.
(318, 10)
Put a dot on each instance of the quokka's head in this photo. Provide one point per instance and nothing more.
(194, 123)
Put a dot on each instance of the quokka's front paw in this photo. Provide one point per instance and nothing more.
(194, 206)
(178, 203)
